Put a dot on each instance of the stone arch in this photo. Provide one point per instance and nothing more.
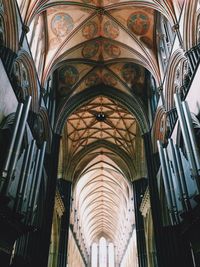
(177, 77)
(24, 78)
(190, 18)
(197, 26)
(132, 104)
(47, 134)
(159, 128)
(8, 11)
(103, 144)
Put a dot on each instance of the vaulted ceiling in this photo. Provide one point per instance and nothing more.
(107, 44)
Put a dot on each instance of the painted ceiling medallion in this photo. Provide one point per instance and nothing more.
(130, 72)
(62, 24)
(111, 50)
(90, 30)
(92, 79)
(90, 49)
(138, 23)
(111, 30)
(69, 75)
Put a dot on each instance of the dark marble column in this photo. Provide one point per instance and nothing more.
(65, 192)
(139, 188)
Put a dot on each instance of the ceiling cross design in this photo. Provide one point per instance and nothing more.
(101, 119)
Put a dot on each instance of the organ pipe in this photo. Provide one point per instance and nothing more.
(19, 186)
(18, 142)
(166, 180)
(171, 185)
(185, 133)
(39, 175)
(183, 179)
(26, 174)
(175, 165)
(10, 151)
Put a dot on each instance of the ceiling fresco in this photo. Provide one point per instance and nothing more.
(100, 32)
(126, 77)
(92, 43)
(103, 120)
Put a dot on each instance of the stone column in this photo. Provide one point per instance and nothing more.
(65, 191)
(139, 188)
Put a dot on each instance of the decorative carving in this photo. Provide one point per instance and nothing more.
(177, 78)
(145, 205)
(59, 205)
(37, 126)
(186, 77)
(20, 79)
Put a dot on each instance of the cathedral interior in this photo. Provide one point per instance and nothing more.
(99, 133)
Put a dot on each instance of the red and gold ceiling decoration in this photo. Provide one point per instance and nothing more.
(109, 43)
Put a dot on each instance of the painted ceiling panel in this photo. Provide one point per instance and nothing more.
(101, 119)
(108, 43)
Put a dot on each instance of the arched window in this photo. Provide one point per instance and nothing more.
(102, 252)
(94, 255)
(111, 255)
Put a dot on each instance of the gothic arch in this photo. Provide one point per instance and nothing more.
(9, 13)
(132, 104)
(104, 144)
(26, 60)
(175, 77)
(190, 18)
(47, 135)
(159, 128)
(197, 27)
(165, 9)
